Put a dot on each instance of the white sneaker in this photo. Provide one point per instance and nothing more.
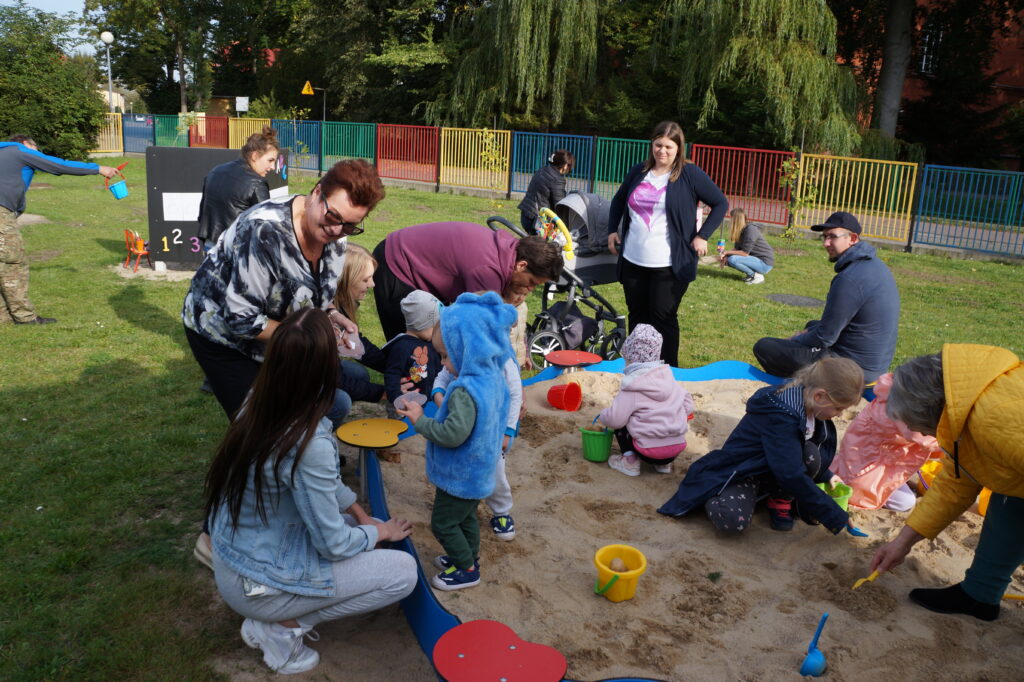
(663, 468)
(756, 278)
(627, 464)
(283, 649)
(203, 551)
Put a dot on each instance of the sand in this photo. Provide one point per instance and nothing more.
(710, 607)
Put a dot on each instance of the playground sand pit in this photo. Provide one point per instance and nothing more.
(709, 607)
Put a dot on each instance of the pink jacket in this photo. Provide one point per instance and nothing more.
(877, 454)
(652, 405)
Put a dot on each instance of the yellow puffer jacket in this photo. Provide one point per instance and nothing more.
(983, 423)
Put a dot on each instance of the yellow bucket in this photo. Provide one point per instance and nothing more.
(613, 585)
(931, 468)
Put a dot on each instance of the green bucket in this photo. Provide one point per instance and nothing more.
(597, 445)
(840, 493)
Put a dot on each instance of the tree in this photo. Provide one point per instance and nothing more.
(42, 92)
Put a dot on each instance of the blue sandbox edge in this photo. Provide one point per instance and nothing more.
(428, 619)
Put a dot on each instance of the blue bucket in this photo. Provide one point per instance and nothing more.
(119, 189)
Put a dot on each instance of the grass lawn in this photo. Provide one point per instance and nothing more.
(107, 436)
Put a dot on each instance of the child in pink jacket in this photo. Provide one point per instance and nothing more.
(650, 412)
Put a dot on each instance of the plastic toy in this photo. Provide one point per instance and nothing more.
(616, 586)
(814, 662)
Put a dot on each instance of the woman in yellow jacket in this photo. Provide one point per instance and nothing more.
(971, 398)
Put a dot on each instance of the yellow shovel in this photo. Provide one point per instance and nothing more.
(870, 578)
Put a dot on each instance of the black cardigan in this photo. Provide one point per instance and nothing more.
(681, 199)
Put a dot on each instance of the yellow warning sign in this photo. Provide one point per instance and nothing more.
(307, 89)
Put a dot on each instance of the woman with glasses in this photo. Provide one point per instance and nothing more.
(970, 398)
(279, 256)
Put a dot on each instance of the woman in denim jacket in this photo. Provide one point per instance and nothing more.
(292, 548)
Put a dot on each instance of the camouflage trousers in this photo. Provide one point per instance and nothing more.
(13, 272)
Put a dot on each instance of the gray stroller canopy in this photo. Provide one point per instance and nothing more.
(586, 218)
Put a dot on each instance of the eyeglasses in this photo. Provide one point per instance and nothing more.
(332, 217)
(832, 237)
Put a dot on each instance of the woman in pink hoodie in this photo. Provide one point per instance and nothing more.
(650, 412)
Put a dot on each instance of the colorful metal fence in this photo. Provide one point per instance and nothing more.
(240, 129)
(408, 152)
(209, 131)
(967, 208)
(348, 141)
(303, 139)
(749, 178)
(879, 193)
(477, 158)
(138, 132)
(110, 137)
(615, 156)
(532, 151)
(168, 131)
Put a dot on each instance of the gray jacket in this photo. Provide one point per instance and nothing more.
(18, 165)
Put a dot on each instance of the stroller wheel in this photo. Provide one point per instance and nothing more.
(542, 343)
(611, 347)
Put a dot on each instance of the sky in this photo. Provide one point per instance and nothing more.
(58, 7)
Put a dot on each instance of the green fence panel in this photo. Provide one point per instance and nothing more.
(348, 141)
(614, 157)
(167, 133)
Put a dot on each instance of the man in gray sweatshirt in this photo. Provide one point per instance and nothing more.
(19, 160)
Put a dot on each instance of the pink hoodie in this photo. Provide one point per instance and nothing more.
(652, 405)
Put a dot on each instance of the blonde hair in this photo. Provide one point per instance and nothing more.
(841, 378)
(738, 221)
(356, 258)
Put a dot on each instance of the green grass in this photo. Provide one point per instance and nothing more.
(107, 437)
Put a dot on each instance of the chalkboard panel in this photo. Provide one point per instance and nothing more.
(175, 176)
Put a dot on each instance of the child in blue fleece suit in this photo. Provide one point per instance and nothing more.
(464, 438)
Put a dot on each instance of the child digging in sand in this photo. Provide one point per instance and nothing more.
(650, 412)
(781, 448)
(464, 437)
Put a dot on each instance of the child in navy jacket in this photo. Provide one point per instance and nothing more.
(411, 359)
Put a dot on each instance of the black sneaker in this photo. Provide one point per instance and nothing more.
(444, 562)
(953, 599)
(38, 320)
(781, 512)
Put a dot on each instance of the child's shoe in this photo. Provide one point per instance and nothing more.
(627, 463)
(283, 649)
(454, 578)
(781, 511)
(756, 278)
(663, 468)
(504, 527)
(444, 562)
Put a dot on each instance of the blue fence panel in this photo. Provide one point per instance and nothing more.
(138, 132)
(530, 153)
(968, 208)
(303, 139)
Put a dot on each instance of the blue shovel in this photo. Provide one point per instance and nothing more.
(814, 661)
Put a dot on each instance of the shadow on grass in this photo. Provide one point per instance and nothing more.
(131, 306)
(115, 246)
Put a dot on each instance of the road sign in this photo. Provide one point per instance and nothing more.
(241, 104)
(307, 89)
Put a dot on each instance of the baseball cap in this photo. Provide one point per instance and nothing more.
(840, 219)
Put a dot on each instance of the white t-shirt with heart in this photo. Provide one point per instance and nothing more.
(647, 243)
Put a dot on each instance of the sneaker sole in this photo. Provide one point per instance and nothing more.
(441, 585)
(506, 536)
(248, 637)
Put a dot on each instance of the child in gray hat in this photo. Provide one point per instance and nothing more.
(651, 410)
(411, 359)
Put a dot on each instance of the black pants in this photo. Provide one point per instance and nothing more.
(625, 440)
(229, 372)
(783, 357)
(652, 297)
(388, 292)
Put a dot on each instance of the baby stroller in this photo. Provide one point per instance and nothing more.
(562, 325)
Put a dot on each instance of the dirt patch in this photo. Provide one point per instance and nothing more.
(146, 272)
(43, 256)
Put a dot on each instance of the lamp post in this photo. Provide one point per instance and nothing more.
(107, 37)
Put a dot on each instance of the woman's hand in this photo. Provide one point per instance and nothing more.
(700, 245)
(892, 554)
(412, 411)
(393, 530)
(613, 242)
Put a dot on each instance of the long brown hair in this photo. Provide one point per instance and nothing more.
(292, 392)
(672, 131)
(356, 258)
(260, 143)
(739, 221)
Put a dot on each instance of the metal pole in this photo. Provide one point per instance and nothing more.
(110, 83)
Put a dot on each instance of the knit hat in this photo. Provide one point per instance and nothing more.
(642, 345)
(421, 310)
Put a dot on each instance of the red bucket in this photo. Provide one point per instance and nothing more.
(566, 397)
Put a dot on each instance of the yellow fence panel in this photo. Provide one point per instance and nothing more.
(239, 130)
(110, 138)
(879, 193)
(473, 157)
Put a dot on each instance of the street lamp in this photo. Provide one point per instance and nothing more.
(107, 37)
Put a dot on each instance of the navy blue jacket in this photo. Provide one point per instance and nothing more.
(681, 199)
(768, 440)
(862, 312)
(400, 361)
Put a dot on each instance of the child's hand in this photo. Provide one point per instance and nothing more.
(504, 443)
(438, 399)
(834, 481)
(412, 411)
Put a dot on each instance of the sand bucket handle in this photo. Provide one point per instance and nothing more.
(118, 170)
(601, 590)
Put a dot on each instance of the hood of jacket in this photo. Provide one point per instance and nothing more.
(967, 372)
(860, 251)
(651, 379)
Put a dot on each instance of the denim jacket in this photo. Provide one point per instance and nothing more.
(305, 531)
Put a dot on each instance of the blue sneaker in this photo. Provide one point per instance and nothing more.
(455, 579)
(504, 527)
(444, 562)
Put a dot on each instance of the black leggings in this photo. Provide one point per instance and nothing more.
(388, 292)
(625, 440)
(652, 297)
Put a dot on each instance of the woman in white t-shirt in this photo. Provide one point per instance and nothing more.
(653, 228)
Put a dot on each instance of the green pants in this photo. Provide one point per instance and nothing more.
(1000, 550)
(454, 524)
(14, 301)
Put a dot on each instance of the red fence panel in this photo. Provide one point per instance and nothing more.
(750, 178)
(408, 152)
(209, 131)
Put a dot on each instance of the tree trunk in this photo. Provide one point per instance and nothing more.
(182, 96)
(895, 59)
